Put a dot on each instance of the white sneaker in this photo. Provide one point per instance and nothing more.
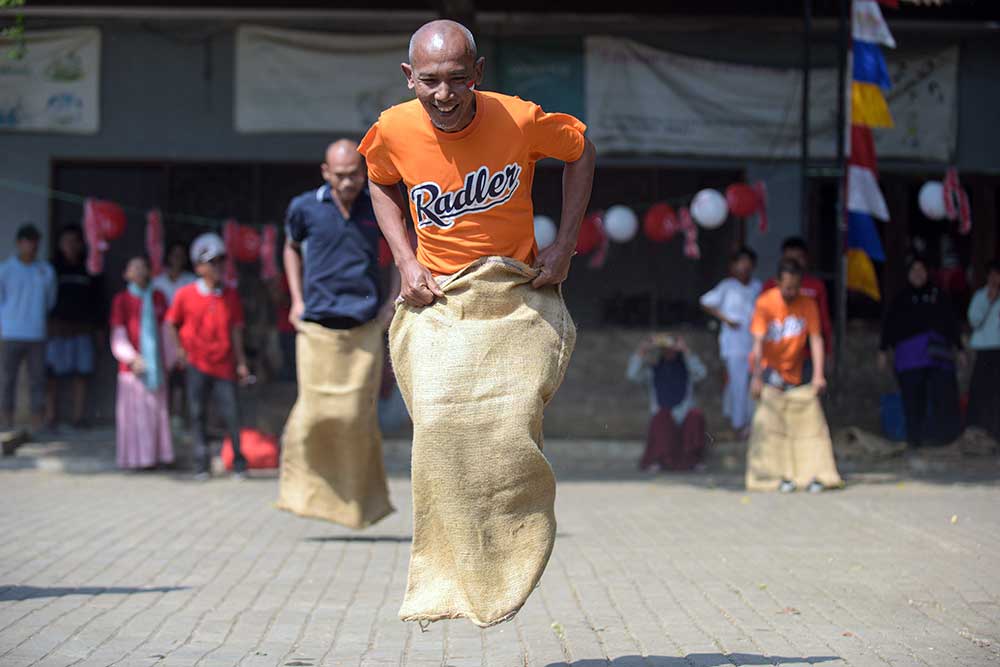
(787, 486)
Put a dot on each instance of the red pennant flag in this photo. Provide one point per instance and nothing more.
(230, 239)
(154, 240)
(96, 245)
(761, 189)
(691, 249)
(268, 253)
(863, 148)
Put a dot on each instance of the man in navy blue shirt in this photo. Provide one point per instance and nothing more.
(331, 465)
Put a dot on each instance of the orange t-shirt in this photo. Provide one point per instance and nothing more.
(786, 328)
(470, 191)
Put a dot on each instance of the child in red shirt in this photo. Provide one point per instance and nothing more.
(207, 318)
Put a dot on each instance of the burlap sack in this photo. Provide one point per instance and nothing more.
(476, 370)
(790, 440)
(331, 459)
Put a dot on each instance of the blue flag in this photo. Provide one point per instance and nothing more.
(861, 234)
(869, 65)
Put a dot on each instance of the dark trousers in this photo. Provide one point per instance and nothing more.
(201, 387)
(16, 352)
(930, 404)
(675, 446)
(984, 393)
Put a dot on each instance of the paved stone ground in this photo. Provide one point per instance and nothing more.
(152, 569)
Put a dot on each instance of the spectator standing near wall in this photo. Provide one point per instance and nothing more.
(175, 275)
(984, 391)
(732, 302)
(76, 321)
(676, 439)
(206, 321)
(27, 294)
(921, 330)
(141, 417)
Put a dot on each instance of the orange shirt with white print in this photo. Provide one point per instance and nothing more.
(470, 191)
(786, 328)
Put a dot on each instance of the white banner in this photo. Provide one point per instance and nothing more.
(640, 99)
(295, 81)
(55, 86)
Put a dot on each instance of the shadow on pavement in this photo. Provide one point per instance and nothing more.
(17, 593)
(359, 538)
(701, 659)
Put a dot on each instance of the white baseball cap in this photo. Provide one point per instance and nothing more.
(207, 247)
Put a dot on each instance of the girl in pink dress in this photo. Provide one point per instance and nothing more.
(143, 426)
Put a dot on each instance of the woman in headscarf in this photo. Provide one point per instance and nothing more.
(921, 329)
(143, 427)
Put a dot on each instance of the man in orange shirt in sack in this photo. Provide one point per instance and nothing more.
(790, 445)
(481, 337)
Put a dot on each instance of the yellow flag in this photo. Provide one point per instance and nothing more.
(861, 274)
(868, 106)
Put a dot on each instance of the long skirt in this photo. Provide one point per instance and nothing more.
(674, 446)
(143, 424)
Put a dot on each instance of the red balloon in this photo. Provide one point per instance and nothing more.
(384, 253)
(660, 223)
(110, 219)
(247, 244)
(591, 233)
(742, 200)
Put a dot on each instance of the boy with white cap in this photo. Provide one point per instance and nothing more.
(206, 320)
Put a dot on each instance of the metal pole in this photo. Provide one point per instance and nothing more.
(843, 41)
(806, 66)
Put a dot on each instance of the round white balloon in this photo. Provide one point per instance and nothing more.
(709, 208)
(932, 200)
(621, 223)
(545, 231)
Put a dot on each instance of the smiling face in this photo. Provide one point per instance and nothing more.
(442, 72)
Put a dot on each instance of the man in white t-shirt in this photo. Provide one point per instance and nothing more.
(732, 302)
(176, 275)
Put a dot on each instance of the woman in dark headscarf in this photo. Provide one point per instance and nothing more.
(923, 333)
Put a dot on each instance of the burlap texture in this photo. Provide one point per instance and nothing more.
(476, 370)
(331, 459)
(790, 440)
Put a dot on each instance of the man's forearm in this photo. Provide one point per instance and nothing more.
(755, 357)
(293, 271)
(818, 355)
(390, 213)
(578, 180)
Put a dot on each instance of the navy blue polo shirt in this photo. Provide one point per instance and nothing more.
(340, 272)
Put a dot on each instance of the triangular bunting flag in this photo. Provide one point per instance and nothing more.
(861, 274)
(869, 65)
(864, 195)
(862, 150)
(868, 106)
(861, 234)
(869, 25)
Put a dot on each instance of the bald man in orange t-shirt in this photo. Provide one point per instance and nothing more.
(467, 159)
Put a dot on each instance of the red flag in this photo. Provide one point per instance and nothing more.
(154, 240)
(230, 233)
(891, 4)
(691, 249)
(761, 189)
(863, 148)
(96, 245)
(268, 253)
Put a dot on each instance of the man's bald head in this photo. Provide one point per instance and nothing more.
(342, 150)
(442, 37)
(344, 169)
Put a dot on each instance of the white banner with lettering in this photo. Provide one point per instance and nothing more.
(640, 99)
(55, 86)
(297, 81)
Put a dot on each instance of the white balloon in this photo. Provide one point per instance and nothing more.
(932, 200)
(621, 223)
(545, 231)
(709, 208)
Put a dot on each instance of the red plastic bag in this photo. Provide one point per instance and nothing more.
(261, 451)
